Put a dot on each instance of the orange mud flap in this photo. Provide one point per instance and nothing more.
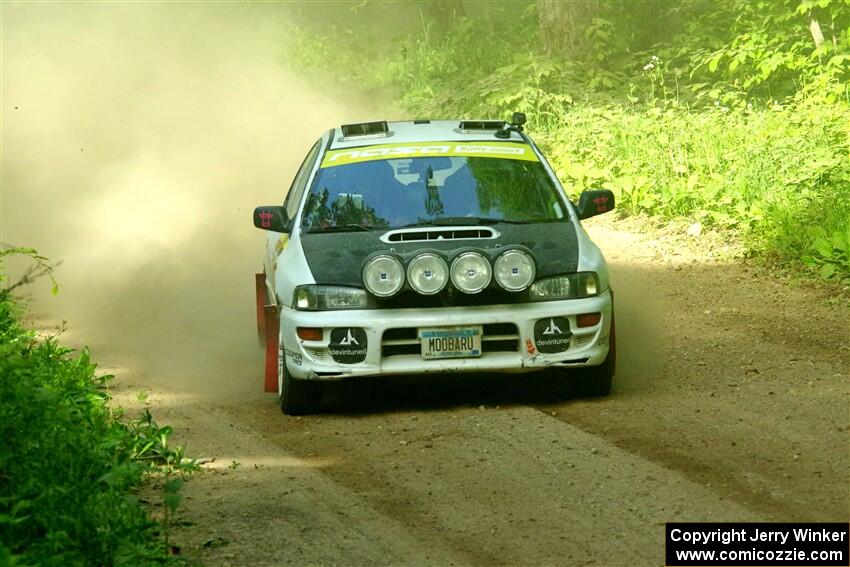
(612, 344)
(271, 332)
(262, 296)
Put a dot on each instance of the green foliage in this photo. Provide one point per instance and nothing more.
(39, 267)
(769, 50)
(68, 466)
(779, 179)
(723, 113)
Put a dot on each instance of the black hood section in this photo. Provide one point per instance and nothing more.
(337, 258)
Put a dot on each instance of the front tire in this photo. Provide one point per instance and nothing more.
(296, 397)
(596, 381)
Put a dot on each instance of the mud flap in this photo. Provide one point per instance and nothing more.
(612, 341)
(612, 346)
(260, 284)
(271, 326)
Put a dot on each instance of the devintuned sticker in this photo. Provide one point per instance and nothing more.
(552, 334)
(348, 345)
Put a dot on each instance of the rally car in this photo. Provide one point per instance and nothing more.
(427, 246)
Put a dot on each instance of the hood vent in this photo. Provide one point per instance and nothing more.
(437, 233)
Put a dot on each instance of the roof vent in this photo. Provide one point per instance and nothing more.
(478, 125)
(365, 129)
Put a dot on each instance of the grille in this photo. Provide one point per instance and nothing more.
(496, 337)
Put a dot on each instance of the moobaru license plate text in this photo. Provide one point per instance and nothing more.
(451, 342)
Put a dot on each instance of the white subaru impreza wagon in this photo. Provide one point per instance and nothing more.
(430, 246)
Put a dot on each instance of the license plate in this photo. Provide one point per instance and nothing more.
(450, 342)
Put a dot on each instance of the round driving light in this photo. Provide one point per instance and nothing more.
(428, 273)
(383, 276)
(514, 270)
(471, 272)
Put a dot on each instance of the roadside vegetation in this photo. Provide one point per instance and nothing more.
(734, 115)
(69, 464)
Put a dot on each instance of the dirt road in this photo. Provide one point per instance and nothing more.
(730, 404)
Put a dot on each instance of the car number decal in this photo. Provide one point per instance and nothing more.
(505, 150)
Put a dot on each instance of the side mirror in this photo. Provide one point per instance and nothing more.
(271, 218)
(594, 202)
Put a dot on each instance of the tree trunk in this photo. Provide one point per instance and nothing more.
(562, 25)
(443, 12)
(817, 34)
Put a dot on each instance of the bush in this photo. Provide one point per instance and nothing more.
(778, 178)
(68, 466)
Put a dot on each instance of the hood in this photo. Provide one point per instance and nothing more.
(337, 258)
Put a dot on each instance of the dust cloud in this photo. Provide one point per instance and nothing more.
(136, 139)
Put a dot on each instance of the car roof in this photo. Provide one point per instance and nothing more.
(412, 131)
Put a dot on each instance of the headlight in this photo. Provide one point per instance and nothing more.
(569, 286)
(428, 273)
(514, 270)
(320, 297)
(471, 272)
(383, 276)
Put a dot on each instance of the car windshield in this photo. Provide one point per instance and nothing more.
(422, 191)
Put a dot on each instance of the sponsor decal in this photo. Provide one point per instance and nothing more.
(294, 356)
(552, 334)
(506, 150)
(281, 243)
(278, 248)
(348, 345)
(265, 219)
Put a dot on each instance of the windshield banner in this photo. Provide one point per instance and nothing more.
(505, 150)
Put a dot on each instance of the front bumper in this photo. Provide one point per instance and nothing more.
(392, 346)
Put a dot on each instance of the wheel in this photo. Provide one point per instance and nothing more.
(596, 381)
(296, 397)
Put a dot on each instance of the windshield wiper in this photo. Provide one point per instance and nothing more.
(341, 228)
(461, 221)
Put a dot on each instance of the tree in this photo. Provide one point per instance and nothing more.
(562, 25)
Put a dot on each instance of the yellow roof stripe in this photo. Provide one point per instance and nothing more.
(505, 150)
